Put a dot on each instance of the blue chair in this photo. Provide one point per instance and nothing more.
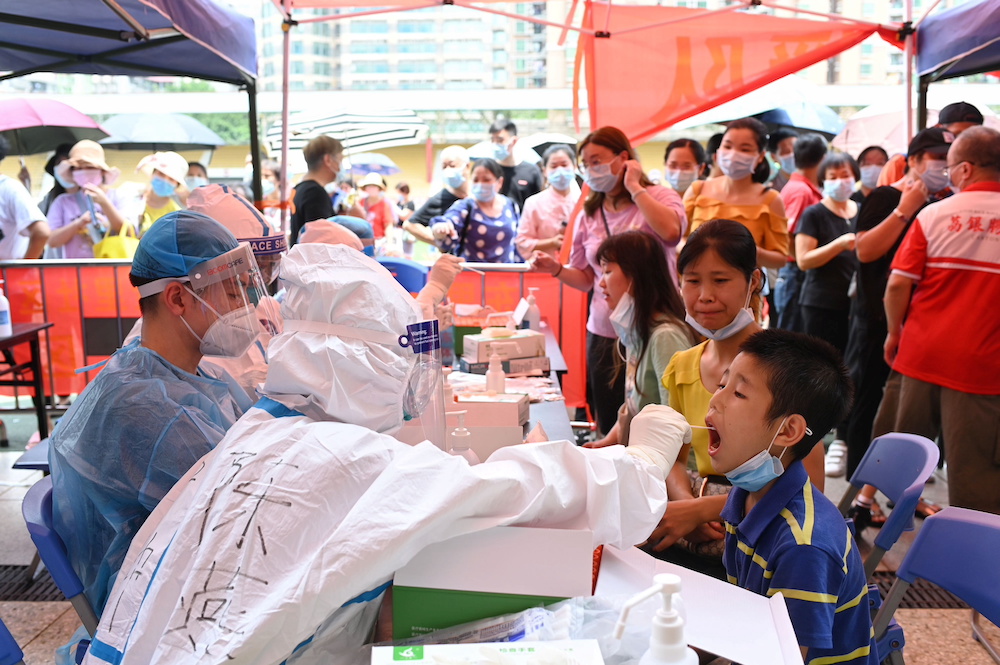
(898, 465)
(37, 511)
(955, 549)
(412, 275)
(10, 652)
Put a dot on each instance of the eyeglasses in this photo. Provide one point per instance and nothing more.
(951, 167)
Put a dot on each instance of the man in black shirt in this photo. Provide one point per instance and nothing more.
(311, 201)
(520, 179)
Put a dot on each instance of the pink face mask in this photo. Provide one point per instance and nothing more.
(88, 177)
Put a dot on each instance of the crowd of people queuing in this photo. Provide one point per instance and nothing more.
(762, 278)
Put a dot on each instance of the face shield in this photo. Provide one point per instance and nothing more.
(424, 396)
(231, 291)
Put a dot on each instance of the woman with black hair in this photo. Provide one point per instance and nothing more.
(741, 194)
(648, 315)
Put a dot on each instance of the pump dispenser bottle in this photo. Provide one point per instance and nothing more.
(532, 317)
(458, 441)
(666, 642)
(496, 380)
(6, 329)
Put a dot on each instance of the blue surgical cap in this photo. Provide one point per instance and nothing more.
(177, 242)
(361, 227)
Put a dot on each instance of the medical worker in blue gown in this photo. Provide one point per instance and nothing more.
(279, 544)
(153, 411)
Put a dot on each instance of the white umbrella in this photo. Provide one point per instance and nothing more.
(359, 132)
(885, 125)
(522, 153)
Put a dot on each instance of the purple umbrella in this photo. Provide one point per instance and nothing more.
(40, 125)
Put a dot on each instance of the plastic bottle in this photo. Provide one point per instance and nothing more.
(533, 317)
(6, 330)
(666, 641)
(449, 392)
(458, 441)
(496, 380)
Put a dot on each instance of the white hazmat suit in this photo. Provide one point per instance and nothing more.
(278, 545)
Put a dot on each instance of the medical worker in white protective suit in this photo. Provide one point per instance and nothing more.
(246, 223)
(154, 410)
(278, 545)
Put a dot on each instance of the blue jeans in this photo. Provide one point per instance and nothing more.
(786, 297)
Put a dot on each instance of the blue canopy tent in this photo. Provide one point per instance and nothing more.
(961, 41)
(195, 38)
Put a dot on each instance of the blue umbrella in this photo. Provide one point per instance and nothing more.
(158, 131)
(804, 117)
(372, 162)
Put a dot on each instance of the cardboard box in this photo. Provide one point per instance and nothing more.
(485, 410)
(489, 573)
(557, 652)
(722, 618)
(511, 367)
(522, 344)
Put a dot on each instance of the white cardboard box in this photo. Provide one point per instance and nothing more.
(557, 652)
(485, 410)
(722, 618)
(522, 344)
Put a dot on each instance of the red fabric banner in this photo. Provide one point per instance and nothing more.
(646, 75)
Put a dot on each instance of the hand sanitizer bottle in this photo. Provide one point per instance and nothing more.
(532, 317)
(496, 380)
(6, 330)
(666, 642)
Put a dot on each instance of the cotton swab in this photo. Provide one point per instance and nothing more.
(701, 427)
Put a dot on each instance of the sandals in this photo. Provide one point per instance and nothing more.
(866, 517)
(926, 508)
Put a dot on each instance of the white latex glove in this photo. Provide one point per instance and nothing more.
(657, 434)
(443, 230)
(445, 314)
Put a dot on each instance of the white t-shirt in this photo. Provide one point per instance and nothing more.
(17, 213)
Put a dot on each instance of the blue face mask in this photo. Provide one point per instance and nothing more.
(500, 152)
(484, 193)
(600, 178)
(453, 177)
(162, 188)
(680, 179)
(870, 174)
(839, 190)
(267, 187)
(195, 181)
(934, 177)
(623, 321)
(787, 162)
(760, 469)
(561, 178)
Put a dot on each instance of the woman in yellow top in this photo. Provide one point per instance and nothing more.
(740, 193)
(166, 171)
(719, 276)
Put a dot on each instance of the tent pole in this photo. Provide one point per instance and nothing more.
(286, 26)
(258, 191)
(922, 84)
(909, 60)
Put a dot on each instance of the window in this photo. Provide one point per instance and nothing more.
(463, 47)
(464, 84)
(416, 66)
(269, 69)
(323, 85)
(462, 67)
(867, 49)
(370, 67)
(297, 85)
(462, 26)
(369, 47)
(416, 47)
(415, 26)
(297, 47)
(866, 70)
(895, 58)
(321, 48)
(500, 57)
(298, 67)
(369, 27)
(321, 68)
(499, 78)
(370, 85)
(418, 84)
(867, 9)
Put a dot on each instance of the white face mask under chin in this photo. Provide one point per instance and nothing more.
(230, 335)
(742, 319)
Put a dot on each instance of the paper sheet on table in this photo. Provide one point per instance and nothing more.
(722, 618)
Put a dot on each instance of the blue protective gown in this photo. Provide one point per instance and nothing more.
(133, 432)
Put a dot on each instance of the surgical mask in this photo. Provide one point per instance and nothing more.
(869, 176)
(161, 187)
(600, 178)
(88, 177)
(760, 469)
(951, 180)
(453, 177)
(229, 336)
(934, 177)
(680, 179)
(787, 162)
(736, 165)
(483, 192)
(267, 188)
(742, 319)
(67, 183)
(195, 181)
(561, 178)
(331, 187)
(623, 321)
(500, 151)
(839, 190)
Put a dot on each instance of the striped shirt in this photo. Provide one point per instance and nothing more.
(794, 541)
